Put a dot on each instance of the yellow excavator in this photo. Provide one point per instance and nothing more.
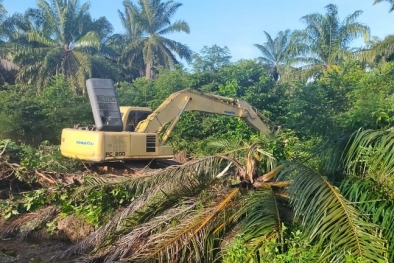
(132, 133)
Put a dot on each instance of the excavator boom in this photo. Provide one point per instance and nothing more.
(188, 100)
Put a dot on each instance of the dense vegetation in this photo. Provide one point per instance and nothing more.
(318, 189)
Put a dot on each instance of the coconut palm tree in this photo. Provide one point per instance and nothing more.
(275, 52)
(325, 40)
(146, 24)
(187, 213)
(64, 40)
(391, 2)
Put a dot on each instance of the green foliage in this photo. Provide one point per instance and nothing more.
(369, 164)
(7, 210)
(236, 251)
(329, 220)
(30, 117)
(211, 59)
(294, 249)
(374, 201)
(138, 93)
(247, 80)
(43, 158)
(369, 97)
(148, 93)
(47, 158)
(341, 101)
(28, 202)
(9, 151)
(95, 204)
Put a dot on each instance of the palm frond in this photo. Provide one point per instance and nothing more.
(189, 233)
(330, 220)
(27, 223)
(371, 154)
(260, 215)
(177, 26)
(91, 39)
(35, 36)
(373, 204)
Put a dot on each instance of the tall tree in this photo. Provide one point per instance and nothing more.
(146, 24)
(64, 40)
(325, 40)
(211, 58)
(7, 68)
(378, 51)
(3, 16)
(275, 52)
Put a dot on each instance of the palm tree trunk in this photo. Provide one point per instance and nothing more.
(148, 71)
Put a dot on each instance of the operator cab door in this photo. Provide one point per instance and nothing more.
(134, 118)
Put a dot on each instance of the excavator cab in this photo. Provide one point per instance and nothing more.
(131, 116)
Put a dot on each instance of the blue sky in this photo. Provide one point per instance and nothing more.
(238, 24)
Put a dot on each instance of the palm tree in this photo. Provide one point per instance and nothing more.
(187, 213)
(325, 40)
(3, 16)
(146, 24)
(378, 51)
(391, 2)
(276, 52)
(7, 68)
(64, 40)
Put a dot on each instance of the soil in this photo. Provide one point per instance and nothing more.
(32, 251)
(39, 246)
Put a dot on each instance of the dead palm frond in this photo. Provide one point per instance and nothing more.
(27, 223)
(189, 233)
(152, 194)
(170, 232)
(185, 213)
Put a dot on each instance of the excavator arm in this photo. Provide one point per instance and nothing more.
(187, 100)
